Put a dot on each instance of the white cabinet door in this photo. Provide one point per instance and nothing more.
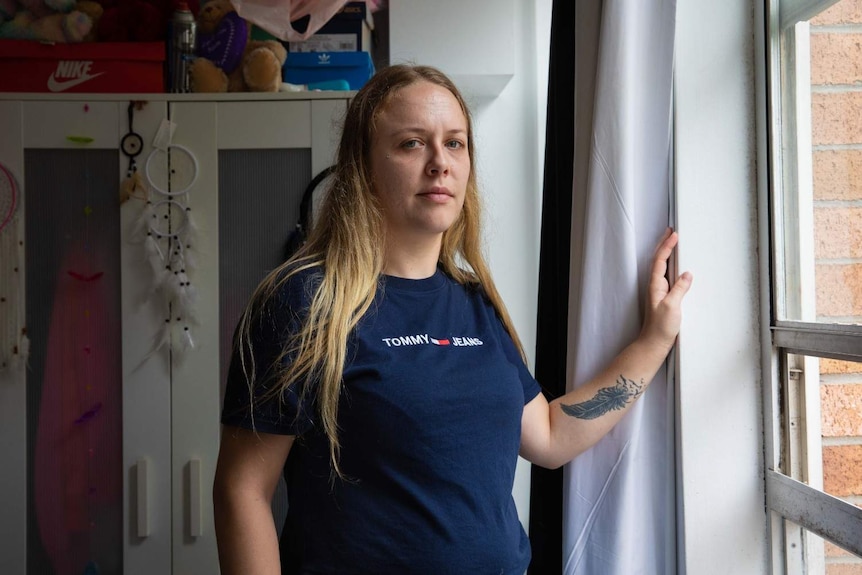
(147, 430)
(254, 161)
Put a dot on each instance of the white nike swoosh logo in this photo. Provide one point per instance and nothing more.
(56, 85)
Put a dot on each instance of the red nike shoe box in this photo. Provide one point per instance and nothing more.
(89, 67)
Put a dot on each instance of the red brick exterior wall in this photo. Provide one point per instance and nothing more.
(836, 119)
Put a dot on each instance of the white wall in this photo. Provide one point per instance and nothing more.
(509, 134)
(510, 141)
(720, 444)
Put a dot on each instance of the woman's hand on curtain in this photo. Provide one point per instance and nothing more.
(552, 435)
(664, 302)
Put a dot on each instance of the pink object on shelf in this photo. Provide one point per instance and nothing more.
(275, 16)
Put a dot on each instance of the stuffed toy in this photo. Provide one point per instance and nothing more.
(227, 60)
(94, 10)
(57, 27)
(40, 8)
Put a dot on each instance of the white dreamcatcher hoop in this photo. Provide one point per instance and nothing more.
(169, 234)
(159, 153)
(14, 345)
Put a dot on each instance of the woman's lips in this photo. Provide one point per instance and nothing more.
(439, 194)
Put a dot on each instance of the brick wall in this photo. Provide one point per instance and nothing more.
(836, 119)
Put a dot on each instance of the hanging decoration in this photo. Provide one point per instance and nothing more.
(168, 232)
(131, 146)
(77, 450)
(14, 345)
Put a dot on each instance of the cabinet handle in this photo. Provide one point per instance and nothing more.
(195, 497)
(142, 478)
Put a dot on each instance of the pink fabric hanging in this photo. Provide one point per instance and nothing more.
(78, 453)
(275, 16)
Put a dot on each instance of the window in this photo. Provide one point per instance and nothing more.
(814, 442)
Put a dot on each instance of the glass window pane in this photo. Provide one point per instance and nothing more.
(822, 164)
(841, 421)
(823, 442)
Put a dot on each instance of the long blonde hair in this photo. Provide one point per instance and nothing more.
(344, 244)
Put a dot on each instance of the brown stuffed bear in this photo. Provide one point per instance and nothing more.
(227, 60)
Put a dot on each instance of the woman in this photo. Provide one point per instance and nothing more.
(382, 359)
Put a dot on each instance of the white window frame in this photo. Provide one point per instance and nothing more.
(792, 435)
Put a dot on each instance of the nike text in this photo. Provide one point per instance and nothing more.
(70, 73)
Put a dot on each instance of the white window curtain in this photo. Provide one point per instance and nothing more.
(619, 502)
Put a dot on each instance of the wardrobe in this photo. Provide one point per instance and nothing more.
(109, 436)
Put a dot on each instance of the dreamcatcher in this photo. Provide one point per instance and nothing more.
(132, 145)
(14, 344)
(168, 232)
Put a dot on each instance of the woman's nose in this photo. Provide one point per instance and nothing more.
(438, 163)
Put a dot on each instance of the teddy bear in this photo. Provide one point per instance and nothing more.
(227, 59)
(94, 10)
(56, 27)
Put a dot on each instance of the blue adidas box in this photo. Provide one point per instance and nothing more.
(314, 67)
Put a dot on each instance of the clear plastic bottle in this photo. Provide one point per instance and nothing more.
(181, 48)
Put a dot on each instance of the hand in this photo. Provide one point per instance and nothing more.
(663, 306)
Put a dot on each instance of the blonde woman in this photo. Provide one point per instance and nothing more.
(382, 359)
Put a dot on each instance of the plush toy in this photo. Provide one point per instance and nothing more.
(40, 8)
(57, 27)
(228, 61)
(94, 10)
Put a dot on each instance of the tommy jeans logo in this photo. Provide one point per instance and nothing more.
(425, 339)
(70, 73)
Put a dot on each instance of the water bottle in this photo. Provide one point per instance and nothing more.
(181, 48)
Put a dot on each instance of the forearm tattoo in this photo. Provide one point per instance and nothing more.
(607, 399)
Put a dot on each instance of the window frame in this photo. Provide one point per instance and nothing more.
(787, 498)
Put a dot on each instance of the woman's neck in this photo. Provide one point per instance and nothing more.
(412, 260)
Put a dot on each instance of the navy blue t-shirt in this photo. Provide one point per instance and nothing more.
(429, 422)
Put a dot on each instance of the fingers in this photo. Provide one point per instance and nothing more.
(659, 288)
(660, 259)
(665, 235)
(679, 289)
(665, 246)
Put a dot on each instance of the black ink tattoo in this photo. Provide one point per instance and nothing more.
(607, 399)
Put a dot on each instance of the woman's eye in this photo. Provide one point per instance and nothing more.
(410, 144)
(455, 144)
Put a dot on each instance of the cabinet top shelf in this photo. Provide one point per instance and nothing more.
(160, 97)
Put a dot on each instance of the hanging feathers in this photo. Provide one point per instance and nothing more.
(168, 231)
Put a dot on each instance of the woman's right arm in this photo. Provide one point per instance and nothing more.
(249, 466)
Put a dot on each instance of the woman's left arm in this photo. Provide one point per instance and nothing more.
(554, 434)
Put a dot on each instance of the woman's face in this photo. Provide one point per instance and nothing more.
(420, 162)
